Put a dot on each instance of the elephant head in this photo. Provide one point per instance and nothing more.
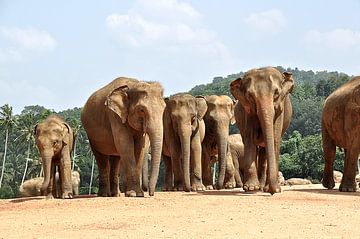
(51, 136)
(141, 106)
(219, 116)
(183, 114)
(262, 93)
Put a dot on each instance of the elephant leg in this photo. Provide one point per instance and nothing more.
(145, 173)
(238, 181)
(103, 164)
(329, 151)
(195, 157)
(50, 189)
(65, 175)
(229, 172)
(348, 183)
(206, 169)
(139, 152)
(168, 175)
(261, 167)
(176, 162)
(114, 175)
(251, 181)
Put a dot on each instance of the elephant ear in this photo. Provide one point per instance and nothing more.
(232, 119)
(66, 134)
(287, 85)
(201, 106)
(118, 101)
(238, 90)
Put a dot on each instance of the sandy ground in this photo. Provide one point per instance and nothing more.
(298, 212)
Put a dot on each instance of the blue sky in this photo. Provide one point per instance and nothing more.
(56, 54)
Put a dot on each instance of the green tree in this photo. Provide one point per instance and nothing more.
(8, 120)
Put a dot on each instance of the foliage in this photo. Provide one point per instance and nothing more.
(301, 154)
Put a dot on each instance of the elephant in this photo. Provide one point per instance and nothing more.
(117, 119)
(32, 187)
(234, 162)
(218, 117)
(184, 130)
(54, 139)
(75, 182)
(263, 113)
(340, 126)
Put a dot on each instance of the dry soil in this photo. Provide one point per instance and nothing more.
(298, 212)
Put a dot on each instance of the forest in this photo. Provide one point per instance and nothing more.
(301, 152)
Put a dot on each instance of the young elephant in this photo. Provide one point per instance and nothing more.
(218, 117)
(340, 124)
(54, 140)
(234, 162)
(184, 131)
(32, 187)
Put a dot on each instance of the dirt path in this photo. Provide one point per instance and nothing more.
(298, 212)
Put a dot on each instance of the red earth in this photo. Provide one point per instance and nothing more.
(308, 211)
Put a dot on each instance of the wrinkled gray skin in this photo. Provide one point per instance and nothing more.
(54, 139)
(218, 117)
(184, 131)
(341, 127)
(116, 119)
(263, 113)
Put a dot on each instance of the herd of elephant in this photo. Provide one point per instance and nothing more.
(128, 117)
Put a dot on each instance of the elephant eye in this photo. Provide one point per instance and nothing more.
(55, 142)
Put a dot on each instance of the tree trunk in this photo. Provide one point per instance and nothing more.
(74, 156)
(4, 159)
(26, 163)
(92, 174)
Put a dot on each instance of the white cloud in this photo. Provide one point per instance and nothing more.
(29, 38)
(22, 93)
(10, 54)
(271, 21)
(335, 39)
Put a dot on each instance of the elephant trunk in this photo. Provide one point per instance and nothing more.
(46, 162)
(266, 117)
(156, 142)
(221, 140)
(185, 138)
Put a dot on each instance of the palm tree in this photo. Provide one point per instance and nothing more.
(8, 121)
(27, 134)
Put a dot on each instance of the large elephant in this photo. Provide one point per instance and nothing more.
(341, 127)
(116, 119)
(184, 131)
(218, 117)
(54, 138)
(263, 113)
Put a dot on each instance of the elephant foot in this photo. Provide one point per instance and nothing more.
(277, 189)
(239, 185)
(50, 196)
(328, 181)
(167, 188)
(229, 185)
(251, 185)
(348, 187)
(178, 187)
(197, 187)
(115, 194)
(67, 195)
(209, 187)
(132, 193)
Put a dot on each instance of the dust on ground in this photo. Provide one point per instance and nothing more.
(308, 211)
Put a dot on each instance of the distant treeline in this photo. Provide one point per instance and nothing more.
(301, 153)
